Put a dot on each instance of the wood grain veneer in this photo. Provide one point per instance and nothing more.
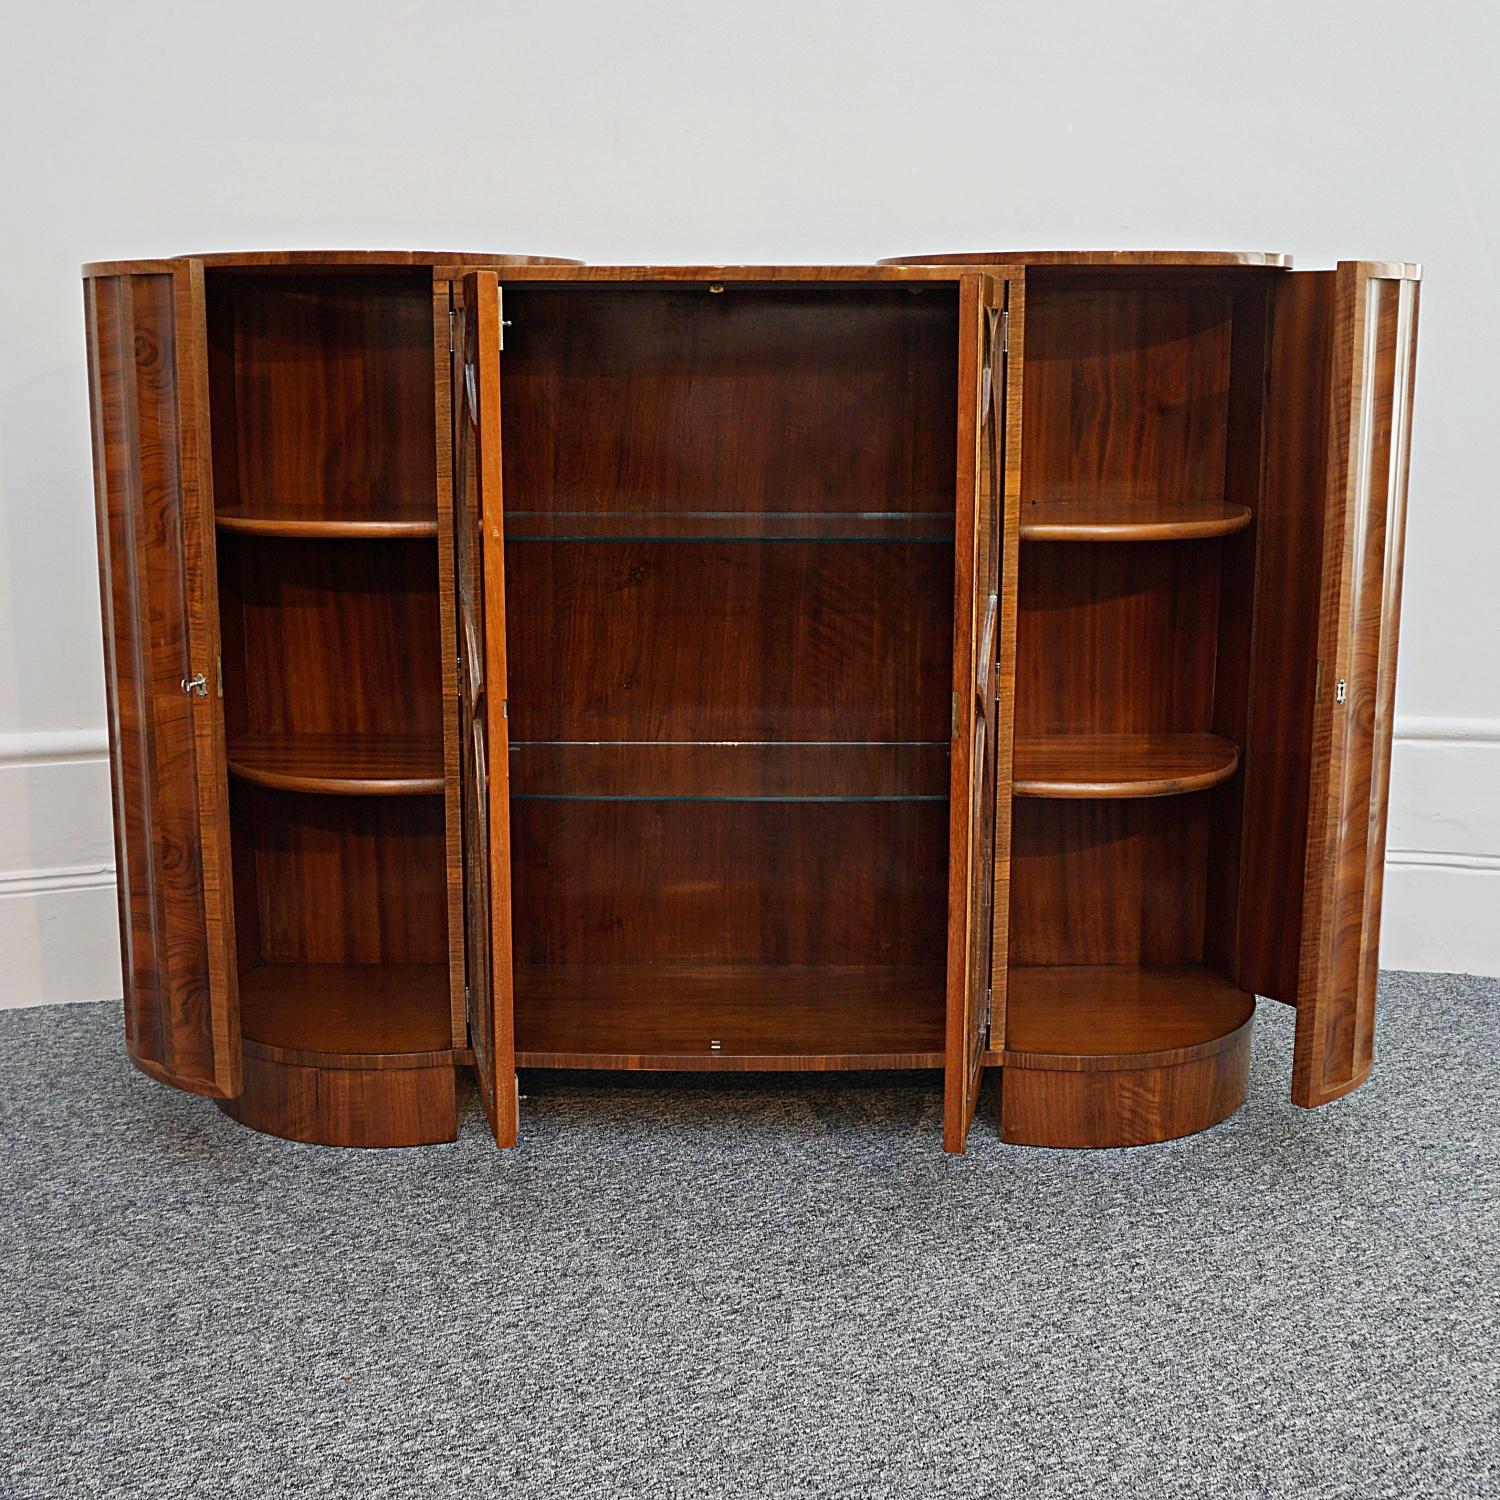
(339, 764)
(1130, 521)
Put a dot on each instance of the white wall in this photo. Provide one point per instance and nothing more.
(710, 131)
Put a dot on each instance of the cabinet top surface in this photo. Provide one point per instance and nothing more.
(352, 259)
(1256, 259)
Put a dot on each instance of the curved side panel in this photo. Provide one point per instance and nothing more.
(1374, 355)
(156, 564)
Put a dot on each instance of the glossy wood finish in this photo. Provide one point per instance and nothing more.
(1374, 352)
(325, 260)
(484, 690)
(157, 580)
(347, 1106)
(1122, 1056)
(1122, 765)
(340, 764)
(1131, 521)
(742, 1018)
(1112, 259)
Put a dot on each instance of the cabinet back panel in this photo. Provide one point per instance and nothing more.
(756, 399)
(1116, 638)
(359, 880)
(322, 390)
(333, 637)
(713, 641)
(1109, 882)
(1127, 389)
(729, 882)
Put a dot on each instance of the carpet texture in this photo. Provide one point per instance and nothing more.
(762, 1286)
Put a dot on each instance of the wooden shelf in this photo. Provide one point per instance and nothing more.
(1121, 765)
(765, 1018)
(344, 765)
(1129, 521)
(1106, 1017)
(374, 522)
(319, 1014)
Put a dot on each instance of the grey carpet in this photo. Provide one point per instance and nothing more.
(763, 1287)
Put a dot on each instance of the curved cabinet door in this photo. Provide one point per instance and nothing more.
(1374, 316)
(983, 675)
(148, 394)
(479, 551)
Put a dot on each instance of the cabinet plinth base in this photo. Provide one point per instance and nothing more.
(1124, 1106)
(381, 1105)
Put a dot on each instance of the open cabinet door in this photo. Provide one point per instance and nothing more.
(479, 556)
(983, 672)
(148, 389)
(1374, 319)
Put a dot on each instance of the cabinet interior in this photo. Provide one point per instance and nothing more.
(1141, 468)
(322, 400)
(729, 522)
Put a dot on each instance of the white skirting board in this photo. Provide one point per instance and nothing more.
(59, 933)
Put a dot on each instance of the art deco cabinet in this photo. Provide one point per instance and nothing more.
(979, 662)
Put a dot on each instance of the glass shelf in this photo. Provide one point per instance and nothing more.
(729, 771)
(728, 526)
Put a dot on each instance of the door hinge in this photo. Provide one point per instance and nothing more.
(196, 686)
(954, 730)
(452, 318)
(500, 310)
(1340, 690)
(1005, 332)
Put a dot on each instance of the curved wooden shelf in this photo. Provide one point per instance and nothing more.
(1121, 1055)
(1121, 765)
(370, 523)
(1122, 521)
(339, 764)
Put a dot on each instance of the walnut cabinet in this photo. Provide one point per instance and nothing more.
(979, 662)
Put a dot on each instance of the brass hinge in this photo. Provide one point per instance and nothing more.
(451, 318)
(954, 731)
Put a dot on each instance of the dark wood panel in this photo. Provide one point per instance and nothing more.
(347, 1106)
(756, 399)
(726, 641)
(1117, 640)
(708, 1017)
(326, 637)
(1121, 765)
(340, 764)
(1374, 347)
(157, 589)
(356, 880)
(1126, 392)
(733, 882)
(323, 390)
(1284, 651)
(741, 771)
(1108, 882)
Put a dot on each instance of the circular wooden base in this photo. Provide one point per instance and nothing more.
(1127, 1089)
(399, 1103)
